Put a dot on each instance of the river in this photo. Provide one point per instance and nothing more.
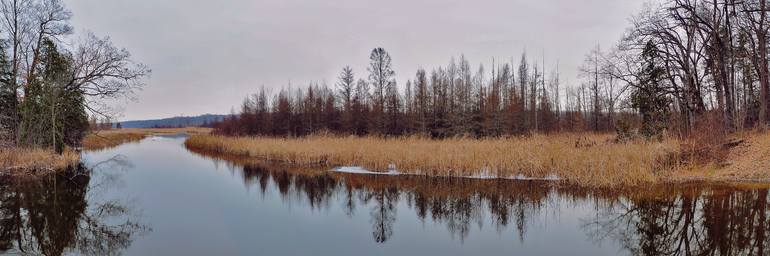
(155, 197)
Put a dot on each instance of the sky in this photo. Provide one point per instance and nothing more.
(206, 56)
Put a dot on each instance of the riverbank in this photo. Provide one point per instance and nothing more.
(582, 159)
(22, 162)
(106, 139)
(111, 138)
(32, 161)
(589, 160)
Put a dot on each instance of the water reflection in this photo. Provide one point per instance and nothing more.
(696, 221)
(689, 220)
(458, 204)
(53, 216)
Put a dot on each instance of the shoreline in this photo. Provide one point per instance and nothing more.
(319, 169)
(290, 152)
(106, 139)
(38, 162)
(33, 162)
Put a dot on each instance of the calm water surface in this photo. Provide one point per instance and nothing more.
(157, 198)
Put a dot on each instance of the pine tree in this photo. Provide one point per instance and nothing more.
(53, 113)
(649, 98)
(9, 112)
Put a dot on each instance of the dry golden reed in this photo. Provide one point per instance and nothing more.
(584, 159)
(185, 130)
(112, 138)
(23, 160)
(109, 139)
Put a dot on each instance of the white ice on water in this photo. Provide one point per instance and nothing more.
(359, 170)
(484, 175)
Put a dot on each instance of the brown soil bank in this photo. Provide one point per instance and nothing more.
(581, 159)
(748, 161)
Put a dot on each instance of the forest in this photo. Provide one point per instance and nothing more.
(682, 68)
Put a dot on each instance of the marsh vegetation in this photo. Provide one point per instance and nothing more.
(683, 87)
(584, 159)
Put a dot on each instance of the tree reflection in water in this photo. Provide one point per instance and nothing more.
(690, 220)
(53, 216)
(457, 203)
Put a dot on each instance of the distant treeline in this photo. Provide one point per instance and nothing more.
(448, 101)
(175, 122)
(683, 67)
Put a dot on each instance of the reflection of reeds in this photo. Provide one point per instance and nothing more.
(459, 203)
(589, 160)
(20, 161)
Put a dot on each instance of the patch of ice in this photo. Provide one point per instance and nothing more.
(359, 170)
(484, 175)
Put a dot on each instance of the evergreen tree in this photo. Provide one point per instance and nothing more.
(9, 112)
(53, 113)
(649, 98)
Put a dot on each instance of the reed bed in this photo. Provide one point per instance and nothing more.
(27, 161)
(112, 138)
(184, 130)
(582, 159)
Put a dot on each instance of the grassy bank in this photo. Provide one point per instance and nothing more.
(23, 161)
(35, 161)
(584, 159)
(749, 161)
(166, 131)
(112, 138)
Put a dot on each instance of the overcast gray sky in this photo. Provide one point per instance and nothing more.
(207, 55)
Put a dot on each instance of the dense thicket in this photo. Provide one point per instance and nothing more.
(712, 56)
(682, 64)
(447, 101)
(47, 87)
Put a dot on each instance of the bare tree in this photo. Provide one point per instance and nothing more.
(381, 77)
(754, 19)
(49, 20)
(103, 71)
(346, 86)
(345, 89)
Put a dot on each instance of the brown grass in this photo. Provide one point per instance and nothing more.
(584, 159)
(185, 130)
(749, 161)
(28, 161)
(111, 138)
(105, 139)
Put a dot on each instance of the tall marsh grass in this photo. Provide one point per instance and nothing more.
(112, 138)
(583, 159)
(21, 161)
